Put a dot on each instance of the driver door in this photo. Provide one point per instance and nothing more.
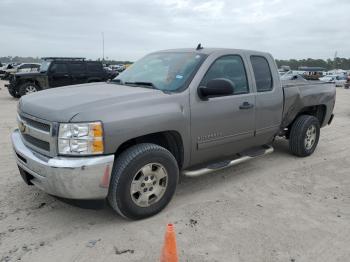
(222, 126)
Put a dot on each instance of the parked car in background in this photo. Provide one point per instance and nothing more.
(189, 111)
(347, 83)
(119, 68)
(110, 73)
(6, 70)
(24, 67)
(340, 80)
(294, 78)
(311, 73)
(2, 70)
(292, 75)
(328, 78)
(56, 72)
(28, 67)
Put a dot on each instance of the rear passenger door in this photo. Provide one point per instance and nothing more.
(95, 71)
(269, 97)
(78, 72)
(59, 75)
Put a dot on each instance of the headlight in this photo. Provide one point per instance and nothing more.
(80, 139)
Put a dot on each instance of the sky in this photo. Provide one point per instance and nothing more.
(132, 28)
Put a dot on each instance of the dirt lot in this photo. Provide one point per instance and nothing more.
(275, 208)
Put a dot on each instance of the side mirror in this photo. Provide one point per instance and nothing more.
(216, 87)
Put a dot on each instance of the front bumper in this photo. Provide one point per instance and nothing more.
(67, 177)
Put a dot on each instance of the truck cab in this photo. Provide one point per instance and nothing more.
(256, 104)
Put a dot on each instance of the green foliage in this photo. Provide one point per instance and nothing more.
(337, 63)
(342, 63)
(19, 59)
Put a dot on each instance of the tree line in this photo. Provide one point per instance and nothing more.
(342, 63)
(329, 64)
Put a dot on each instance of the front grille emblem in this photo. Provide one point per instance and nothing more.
(22, 127)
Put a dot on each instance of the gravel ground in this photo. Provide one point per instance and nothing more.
(275, 208)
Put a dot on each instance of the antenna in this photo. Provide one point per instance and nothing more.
(199, 46)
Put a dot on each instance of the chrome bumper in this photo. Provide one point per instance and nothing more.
(67, 177)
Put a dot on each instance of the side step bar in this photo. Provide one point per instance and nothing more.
(242, 157)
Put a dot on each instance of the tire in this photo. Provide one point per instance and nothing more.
(130, 168)
(304, 135)
(14, 93)
(28, 88)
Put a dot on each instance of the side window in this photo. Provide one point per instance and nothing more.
(59, 68)
(230, 67)
(25, 66)
(94, 67)
(262, 73)
(77, 68)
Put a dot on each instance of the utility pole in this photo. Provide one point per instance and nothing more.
(335, 57)
(103, 46)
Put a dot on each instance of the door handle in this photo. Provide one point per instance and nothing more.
(246, 105)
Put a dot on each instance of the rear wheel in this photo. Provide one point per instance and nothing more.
(143, 181)
(304, 135)
(28, 88)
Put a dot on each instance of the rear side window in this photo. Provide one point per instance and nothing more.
(77, 68)
(25, 66)
(94, 67)
(59, 68)
(262, 73)
(230, 67)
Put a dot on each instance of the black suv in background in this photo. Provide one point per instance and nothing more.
(55, 72)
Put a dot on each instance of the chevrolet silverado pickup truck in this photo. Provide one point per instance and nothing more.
(182, 111)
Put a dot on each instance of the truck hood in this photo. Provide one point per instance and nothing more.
(62, 104)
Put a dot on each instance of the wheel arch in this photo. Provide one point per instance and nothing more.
(318, 111)
(25, 81)
(171, 140)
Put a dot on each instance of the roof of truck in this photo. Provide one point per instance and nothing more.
(209, 51)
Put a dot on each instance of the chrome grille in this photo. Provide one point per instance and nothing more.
(36, 124)
(37, 134)
(37, 142)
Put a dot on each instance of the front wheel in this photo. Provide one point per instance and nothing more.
(304, 135)
(143, 181)
(13, 93)
(28, 88)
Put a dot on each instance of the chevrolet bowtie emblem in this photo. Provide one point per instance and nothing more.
(22, 127)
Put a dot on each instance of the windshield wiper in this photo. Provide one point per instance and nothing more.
(140, 83)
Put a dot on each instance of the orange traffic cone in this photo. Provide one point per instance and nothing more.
(169, 252)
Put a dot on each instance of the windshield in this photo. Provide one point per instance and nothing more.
(45, 66)
(164, 70)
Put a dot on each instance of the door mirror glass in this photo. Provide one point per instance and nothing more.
(216, 87)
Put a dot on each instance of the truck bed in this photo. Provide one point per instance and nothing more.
(303, 94)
